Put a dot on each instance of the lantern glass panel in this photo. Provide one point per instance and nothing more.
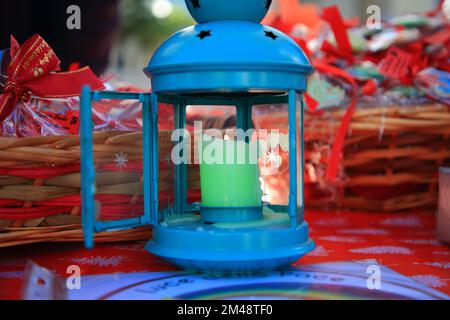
(166, 125)
(117, 160)
(271, 129)
(300, 156)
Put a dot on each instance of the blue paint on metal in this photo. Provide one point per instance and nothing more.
(87, 168)
(207, 248)
(209, 10)
(118, 224)
(244, 116)
(238, 56)
(89, 207)
(292, 105)
(147, 140)
(154, 158)
(231, 214)
(114, 95)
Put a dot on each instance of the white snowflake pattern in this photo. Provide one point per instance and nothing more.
(430, 280)
(341, 239)
(366, 231)
(432, 242)
(100, 261)
(121, 160)
(383, 250)
(408, 221)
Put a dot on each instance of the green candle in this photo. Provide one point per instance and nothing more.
(229, 173)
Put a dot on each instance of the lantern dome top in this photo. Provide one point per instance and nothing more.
(212, 10)
(228, 56)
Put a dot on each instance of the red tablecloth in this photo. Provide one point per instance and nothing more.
(404, 242)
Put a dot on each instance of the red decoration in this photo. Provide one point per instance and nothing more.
(344, 236)
(338, 144)
(396, 63)
(369, 88)
(311, 103)
(69, 121)
(333, 17)
(32, 70)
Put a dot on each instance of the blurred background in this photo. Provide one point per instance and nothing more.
(119, 36)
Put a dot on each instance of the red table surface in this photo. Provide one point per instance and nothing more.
(405, 243)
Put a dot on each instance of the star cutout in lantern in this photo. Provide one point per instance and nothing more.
(268, 3)
(196, 3)
(271, 35)
(204, 33)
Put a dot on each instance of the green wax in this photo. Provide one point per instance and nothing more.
(229, 174)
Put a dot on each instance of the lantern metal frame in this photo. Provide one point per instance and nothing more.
(265, 249)
(254, 71)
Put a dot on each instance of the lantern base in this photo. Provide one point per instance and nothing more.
(200, 247)
(231, 214)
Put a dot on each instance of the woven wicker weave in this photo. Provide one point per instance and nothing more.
(40, 185)
(390, 158)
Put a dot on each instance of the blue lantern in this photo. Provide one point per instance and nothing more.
(228, 59)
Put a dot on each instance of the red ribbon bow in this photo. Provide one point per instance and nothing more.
(344, 49)
(32, 70)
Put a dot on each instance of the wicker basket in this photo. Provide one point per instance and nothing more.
(390, 162)
(40, 186)
(391, 156)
